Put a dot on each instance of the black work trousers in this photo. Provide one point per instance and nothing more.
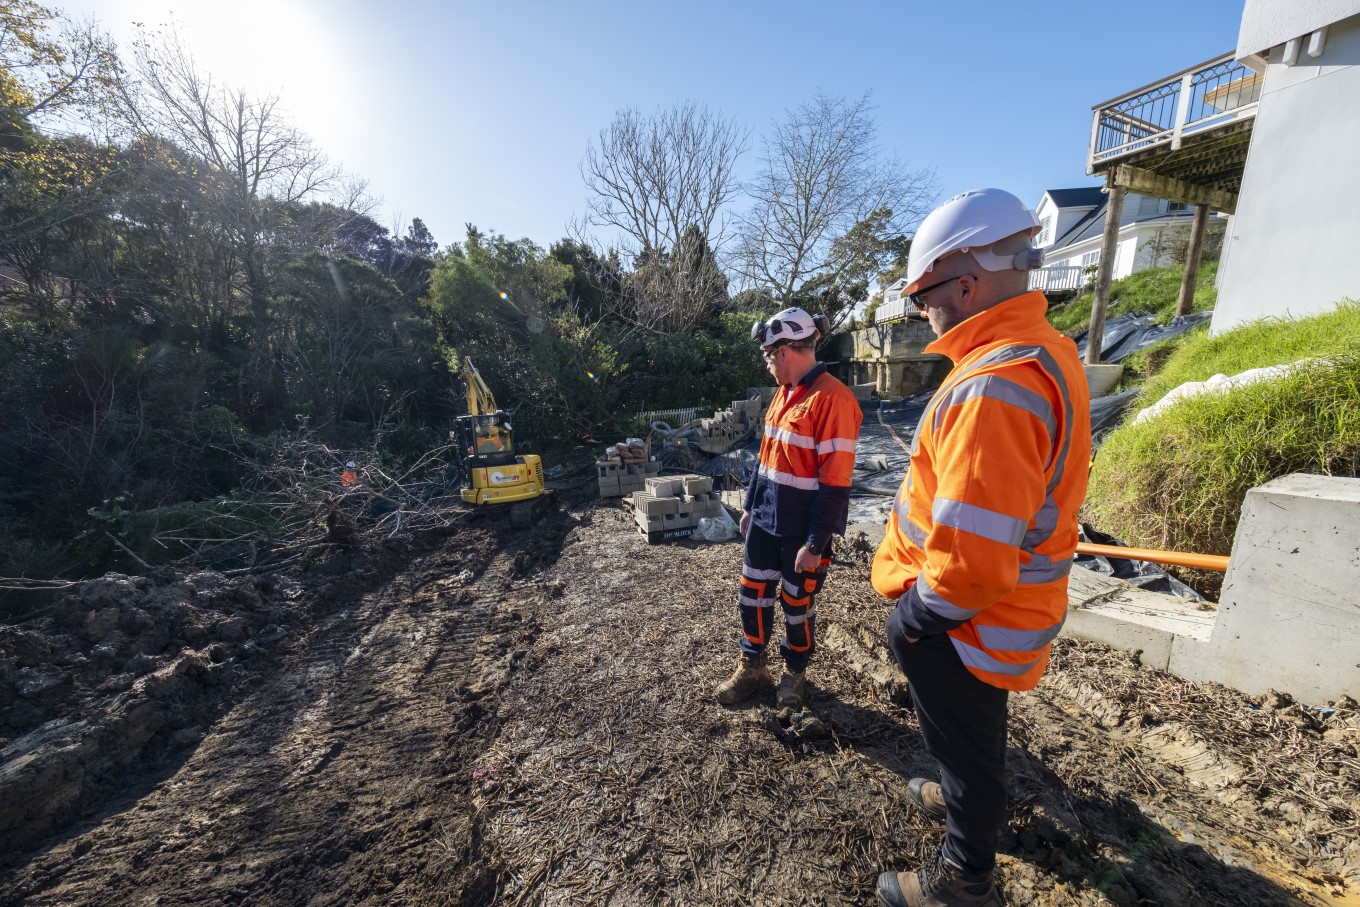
(768, 575)
(963, 721)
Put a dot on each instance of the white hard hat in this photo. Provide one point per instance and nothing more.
(791, 324)
(972, 221)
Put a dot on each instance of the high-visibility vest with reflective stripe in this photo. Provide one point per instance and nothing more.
(807, 455)
(985, 522)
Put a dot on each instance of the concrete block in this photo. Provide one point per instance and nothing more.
(652, 468)
(649, 523)
(695, 485)
(653, 506)
(608, 471)
(678, 521)
(667, 487)
(1288, 615)
(609, 488)
(684, 506)
(628, 486)
(1102, 377)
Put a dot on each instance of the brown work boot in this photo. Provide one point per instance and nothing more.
(940, 884)
(927, 796)
(790, 693)
(752, 675)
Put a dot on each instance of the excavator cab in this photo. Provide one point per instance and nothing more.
(490, 439)
(493, 473)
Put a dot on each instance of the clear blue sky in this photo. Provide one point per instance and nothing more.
(481, 112)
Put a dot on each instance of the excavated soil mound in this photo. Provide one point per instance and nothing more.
(514, 718)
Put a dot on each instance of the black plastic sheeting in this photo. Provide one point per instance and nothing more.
(1143, 574)
(1127, 334)
(1107, 414)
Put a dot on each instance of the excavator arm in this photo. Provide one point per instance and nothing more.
(480, 400)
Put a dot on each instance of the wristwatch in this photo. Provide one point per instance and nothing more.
(813, 549)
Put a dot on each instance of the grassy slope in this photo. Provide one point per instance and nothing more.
(1154, 290)
(1178, 480)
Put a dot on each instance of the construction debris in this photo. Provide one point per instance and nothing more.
(624, 467)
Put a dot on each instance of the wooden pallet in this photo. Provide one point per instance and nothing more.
(666, 535)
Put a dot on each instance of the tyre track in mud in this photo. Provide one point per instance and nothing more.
(337, 779)
(1154, 809)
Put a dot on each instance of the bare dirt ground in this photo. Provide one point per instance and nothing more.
(492, 717)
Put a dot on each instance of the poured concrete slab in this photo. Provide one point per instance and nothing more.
(1111, 611)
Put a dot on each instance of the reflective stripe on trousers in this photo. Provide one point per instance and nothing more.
(768, 574)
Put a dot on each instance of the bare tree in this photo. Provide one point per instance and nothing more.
(655, 177)
(664, 183)
(822, 181)
(253, 158)
(247, 143)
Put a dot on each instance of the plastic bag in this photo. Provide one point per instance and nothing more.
(717, 529)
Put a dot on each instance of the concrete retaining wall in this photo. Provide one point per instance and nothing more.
(889, 357)
(1289, 614)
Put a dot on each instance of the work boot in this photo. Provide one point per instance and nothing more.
(752, 675)
(941, 884)
(927, 796)
(790, 693)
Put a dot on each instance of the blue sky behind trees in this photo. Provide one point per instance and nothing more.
(460, 112)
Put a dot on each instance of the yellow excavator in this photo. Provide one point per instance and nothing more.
(493, 473)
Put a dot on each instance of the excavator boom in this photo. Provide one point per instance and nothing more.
(480, 400)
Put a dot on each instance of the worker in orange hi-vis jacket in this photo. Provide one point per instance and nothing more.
(798, 497)
(981, 535)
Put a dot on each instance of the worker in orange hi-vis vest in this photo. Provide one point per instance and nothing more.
(798, 497)
(982, 532)
(350, 476)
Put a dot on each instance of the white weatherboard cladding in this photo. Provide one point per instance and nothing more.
(1267, 23)
(1291, 247)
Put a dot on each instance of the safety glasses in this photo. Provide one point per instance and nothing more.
(918, 298)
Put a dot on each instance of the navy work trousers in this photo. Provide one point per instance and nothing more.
(963, 721)
(767, 575)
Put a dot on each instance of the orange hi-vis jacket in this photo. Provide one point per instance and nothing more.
(982, 532)
(802, 486)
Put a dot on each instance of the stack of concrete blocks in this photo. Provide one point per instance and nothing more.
(672, 506)
(617, 480)
(717, 435)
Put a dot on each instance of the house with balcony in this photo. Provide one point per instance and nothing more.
(1265, 134)
(1073, 227)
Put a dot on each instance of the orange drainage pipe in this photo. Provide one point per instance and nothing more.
(1214, 562)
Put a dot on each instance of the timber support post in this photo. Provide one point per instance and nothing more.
(1114, 212)
(1186, 300)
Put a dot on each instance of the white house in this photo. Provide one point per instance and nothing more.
(1291, 245)
(1073, 224)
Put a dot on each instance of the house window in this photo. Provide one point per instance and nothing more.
(1090, 258)
(1046, 234)
(1176, 207)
